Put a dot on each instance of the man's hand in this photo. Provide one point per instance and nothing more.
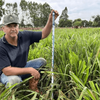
(56, 14)
(21, 71)
(50, 16)
(35, 73)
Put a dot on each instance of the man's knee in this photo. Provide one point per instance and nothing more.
(43, 61)
(10, 79)
(14, 79)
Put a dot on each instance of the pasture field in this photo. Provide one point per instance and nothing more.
(76, 67)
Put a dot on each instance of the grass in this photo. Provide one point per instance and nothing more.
(76, 66)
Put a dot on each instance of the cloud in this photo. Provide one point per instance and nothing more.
(83, 9)
(12, 1)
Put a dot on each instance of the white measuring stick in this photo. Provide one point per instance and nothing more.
(53, 29)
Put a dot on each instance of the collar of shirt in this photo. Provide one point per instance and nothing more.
(5, 41)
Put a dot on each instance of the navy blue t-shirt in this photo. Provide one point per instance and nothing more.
(16, 56)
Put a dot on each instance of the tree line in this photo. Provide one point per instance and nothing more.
(65, 22)
(33, 14)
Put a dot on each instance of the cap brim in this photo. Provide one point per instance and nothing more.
(9, 23)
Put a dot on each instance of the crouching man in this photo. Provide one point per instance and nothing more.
(14, 48)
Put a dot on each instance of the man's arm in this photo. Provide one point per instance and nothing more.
(47, 29)
(20, 71)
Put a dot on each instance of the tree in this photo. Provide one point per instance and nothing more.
(33, 11)
(77, 23)
(63, 18)
(85, 23)
(39, 13)
(1, 8)
(23, 5)
(64, 15)
(90, 23)
(61, 23)
(40, 10)
(22, 23)
(11, 9)
(8, 9)
(15, 9)
(45, 13)
(95, 24)
(69, 23)
(96, 21)
(77, 20)
(24, 9)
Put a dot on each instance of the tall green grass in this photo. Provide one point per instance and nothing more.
(1, 34)
(76, 65)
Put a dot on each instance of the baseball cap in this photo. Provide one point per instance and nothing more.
(10, 18)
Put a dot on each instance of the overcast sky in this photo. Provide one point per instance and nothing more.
(83, 9)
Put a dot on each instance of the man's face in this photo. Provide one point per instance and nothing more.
(11, 30)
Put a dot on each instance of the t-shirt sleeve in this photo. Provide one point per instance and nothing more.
(33, 36)
(4, 60)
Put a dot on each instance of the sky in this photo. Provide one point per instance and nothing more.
(83, 9)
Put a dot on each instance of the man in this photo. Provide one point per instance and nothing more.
(14, 47)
